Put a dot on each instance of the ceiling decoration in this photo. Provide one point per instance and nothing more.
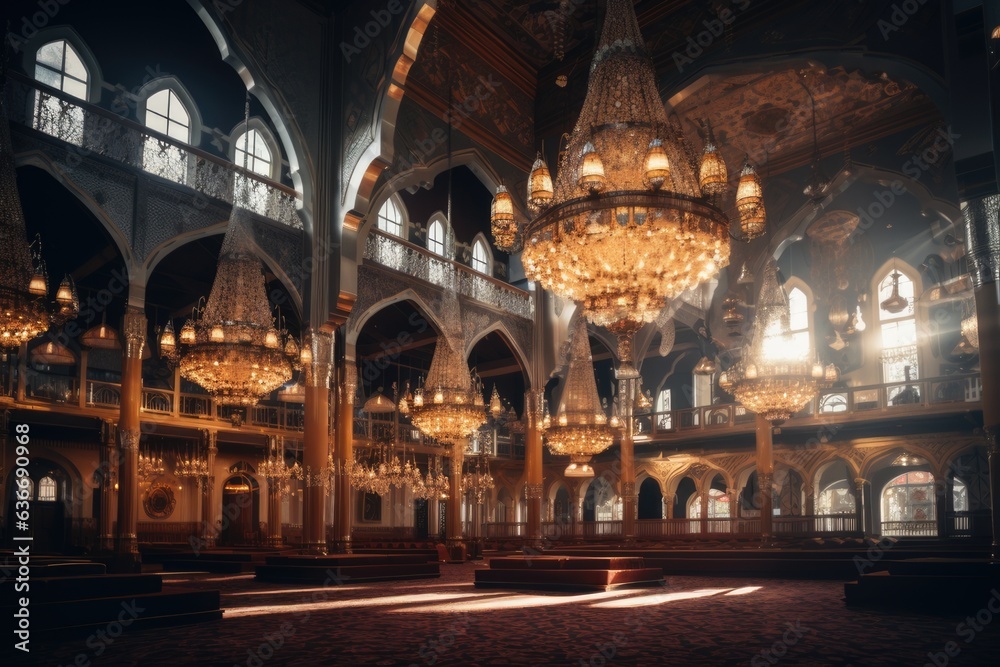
(768, 115)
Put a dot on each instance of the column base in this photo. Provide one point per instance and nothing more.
(315, 548)
(275, 541)
(343, 546)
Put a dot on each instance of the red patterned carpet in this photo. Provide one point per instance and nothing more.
(692, 621)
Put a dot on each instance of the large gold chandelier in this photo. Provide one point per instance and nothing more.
(449, 406)
(24, 313)
(629, 225)
(580, 428)
(774, 378)
(234, 350)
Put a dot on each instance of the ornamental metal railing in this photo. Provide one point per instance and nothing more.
(87, 129)
(394, 253)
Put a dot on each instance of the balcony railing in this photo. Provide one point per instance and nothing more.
(665, 529)
(94, 130)
(394, 253)
(848, 404)
(910, 528)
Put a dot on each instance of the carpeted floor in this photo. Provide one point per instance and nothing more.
(692, 621)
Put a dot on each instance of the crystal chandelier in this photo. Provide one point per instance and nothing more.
(580, 428)
(774, 378)
(234, 350)
(629, 224)
(24, 313)
(193, 467)
(477, 481)
(380, 469)
(277, 472)
(150, 466)
(435, 484)
(449, 406)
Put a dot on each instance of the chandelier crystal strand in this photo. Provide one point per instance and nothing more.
(628, 225)
(774, 379)
(580, 427)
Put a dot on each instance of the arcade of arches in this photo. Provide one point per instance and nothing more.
(368, 159)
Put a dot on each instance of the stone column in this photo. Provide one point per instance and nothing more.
(453, 528)
(344, 454)
(533, 407)
(126, 543)
(982, 234)
(209, 531)
(275, 448)
(316, 437)
(859, 504)
(734, 509)
(108, 475)
(703, 501)
(765, 479)
(810, 508)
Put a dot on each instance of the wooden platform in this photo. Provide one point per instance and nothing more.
(346, 568)
(568, 573)
(929, 585)
(71, 599)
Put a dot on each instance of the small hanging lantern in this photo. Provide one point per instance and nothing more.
(712, 176)
(540, 190)
(591, 175)
(750, 203)
(657, 165)
(895, 303)
(502, 219)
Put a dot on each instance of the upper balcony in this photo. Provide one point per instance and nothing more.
(394, 253)
(88, 130)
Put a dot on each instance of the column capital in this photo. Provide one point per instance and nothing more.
(859, 482)
(318, 370)
(349, 382)
(628, 490)
(134, 332)
(532, 491)
(129, 439)
(211, 437)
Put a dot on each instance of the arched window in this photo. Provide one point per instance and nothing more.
(165, 113)
(798, 322)
(480, 261)
(664, 416)
(253, 152)
(58, 64)
(718, 505)
(47, 489)
(836, 498)
(436, 238)
(390, 218)
(899, 336)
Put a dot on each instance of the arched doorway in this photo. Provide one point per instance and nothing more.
(600, 502)
(686, 489)
(790, 492)
(909, 505)
(562, 508)
(49, 494)
(240, 510)
(650, 500)
(504, 510)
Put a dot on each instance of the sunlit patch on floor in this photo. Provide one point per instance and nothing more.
(648, 600)
(341, 604)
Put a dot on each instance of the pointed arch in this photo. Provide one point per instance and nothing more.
(501, 329)
(264, 134)
(280, 113)
(357, 321)
(160, 252)
(482, 256)
(42, 161)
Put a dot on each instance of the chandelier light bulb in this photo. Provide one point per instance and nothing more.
(271, 341)
(168, 341)
(713, 177)
(657, 165)
(591, 176)
(305, 356)
(750, 203)
(502, 222)
(540, 190)
(64, 295)
(217, 335)
(188, 336)
(38, 285)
